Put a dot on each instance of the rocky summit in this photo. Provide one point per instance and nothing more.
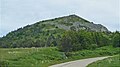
(74, 22)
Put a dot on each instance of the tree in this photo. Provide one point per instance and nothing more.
(116, 39)
(66, 43)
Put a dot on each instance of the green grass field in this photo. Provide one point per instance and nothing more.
(43, 57)
(29, 57)
(109, 62)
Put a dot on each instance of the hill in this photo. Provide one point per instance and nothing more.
(48, 32)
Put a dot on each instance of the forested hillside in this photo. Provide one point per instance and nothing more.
(70, 32)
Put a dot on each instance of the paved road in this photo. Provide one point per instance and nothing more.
(79, 63)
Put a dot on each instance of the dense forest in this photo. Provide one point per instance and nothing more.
(74, 41)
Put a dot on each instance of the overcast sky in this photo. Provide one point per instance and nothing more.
(18, 13)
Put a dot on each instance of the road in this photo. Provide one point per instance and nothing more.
(79, 63)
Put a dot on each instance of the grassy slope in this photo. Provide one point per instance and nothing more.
(43, 57)
(109, 62)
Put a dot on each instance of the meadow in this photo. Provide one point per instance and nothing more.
(43, 57)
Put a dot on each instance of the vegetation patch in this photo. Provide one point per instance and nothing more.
(64, 23)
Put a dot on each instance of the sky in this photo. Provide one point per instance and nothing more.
(18, 13)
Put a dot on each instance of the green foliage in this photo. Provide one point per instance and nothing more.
(30, 36)
(79, 40)
(64, 23)
(116, 39)
(73, 28)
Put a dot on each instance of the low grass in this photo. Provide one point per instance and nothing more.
(43, 57)
(108, 62)
(98, 52)
(29, 57)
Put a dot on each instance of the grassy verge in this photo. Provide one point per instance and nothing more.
(43, 57)
(108, 62)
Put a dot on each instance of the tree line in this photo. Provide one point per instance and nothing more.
(66, 41)
(78, 40)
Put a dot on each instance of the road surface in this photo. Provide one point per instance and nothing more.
(79, 63)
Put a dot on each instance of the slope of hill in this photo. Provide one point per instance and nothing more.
(43, 32)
